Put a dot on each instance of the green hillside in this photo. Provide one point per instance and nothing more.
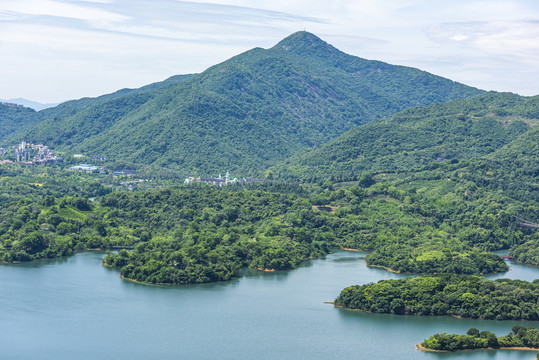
(250, 111)
(416, 137)
(521, 156)
(14, 117)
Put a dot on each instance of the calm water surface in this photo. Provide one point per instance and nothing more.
(76, 309)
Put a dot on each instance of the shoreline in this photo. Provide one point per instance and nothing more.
(387, 269)
(148, 283)
(263, 269)
(521, 262)
(447, 315)
(75, 252)
(428, 274)
(349, 249)
(422, 348)
(346, 308)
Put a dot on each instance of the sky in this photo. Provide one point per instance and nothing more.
(57, 50)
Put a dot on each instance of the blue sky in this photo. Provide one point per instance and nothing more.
(56, 50)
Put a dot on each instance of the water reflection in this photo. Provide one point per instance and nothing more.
(351, 258)
(39, 263)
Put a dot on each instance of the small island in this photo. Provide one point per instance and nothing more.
(464, 296)
(519, 338)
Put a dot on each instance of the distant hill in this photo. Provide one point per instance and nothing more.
(53, 116)
(73, 107)
(246, 113)
(30, 104)
(413, 138)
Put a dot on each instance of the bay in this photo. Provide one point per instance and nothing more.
(74, 308)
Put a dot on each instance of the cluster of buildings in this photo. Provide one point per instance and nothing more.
(11, 105)
(133, 183)
(93, 157)
(91, 168)
(84, 167)
(34, 154)
(39, 154)
(123, 173)
(219, 181)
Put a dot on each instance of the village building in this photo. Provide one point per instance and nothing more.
(84, 167)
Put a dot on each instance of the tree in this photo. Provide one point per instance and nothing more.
(366, 180)
(34, 243)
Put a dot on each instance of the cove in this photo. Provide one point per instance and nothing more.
(74, 308)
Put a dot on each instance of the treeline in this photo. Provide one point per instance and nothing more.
(448, 294)
(520, 336)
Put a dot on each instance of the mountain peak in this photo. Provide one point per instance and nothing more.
(303, 42)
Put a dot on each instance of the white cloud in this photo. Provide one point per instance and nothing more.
(459, 37)
(517, 38)
(59, 9)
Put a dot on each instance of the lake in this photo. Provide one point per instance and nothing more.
(74, 308)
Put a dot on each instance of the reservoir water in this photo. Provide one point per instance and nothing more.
(74, 308)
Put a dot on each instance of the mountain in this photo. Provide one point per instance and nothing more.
(415, 137)
(248, 112)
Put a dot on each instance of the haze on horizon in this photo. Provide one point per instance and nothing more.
(56, 50)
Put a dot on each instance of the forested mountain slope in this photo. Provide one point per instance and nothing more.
(413, 138)
(14, 117)
(246, 113)
(521, 155)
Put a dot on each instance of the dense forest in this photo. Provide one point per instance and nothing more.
(448, 294)
(416, 223)
(520, 336)
(181, 236)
